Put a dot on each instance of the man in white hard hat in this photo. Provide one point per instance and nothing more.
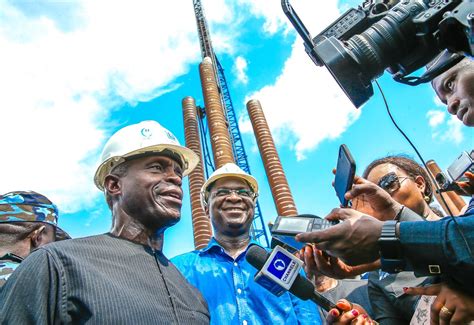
(121, 277)
(221, 272)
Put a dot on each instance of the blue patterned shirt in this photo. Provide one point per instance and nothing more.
(6, 269)
(232, 295)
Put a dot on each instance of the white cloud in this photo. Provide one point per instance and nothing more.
(435, 118)
(454, 132)
(305, 105)
(273, 14)
(241, 69)
(442, 128)
(316, 15)
(61, 76)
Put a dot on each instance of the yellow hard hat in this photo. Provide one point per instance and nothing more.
(228, 170)
(146, 137)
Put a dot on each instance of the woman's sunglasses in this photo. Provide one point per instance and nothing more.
(391, 182)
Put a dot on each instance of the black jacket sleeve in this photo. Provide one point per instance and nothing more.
(34, 293)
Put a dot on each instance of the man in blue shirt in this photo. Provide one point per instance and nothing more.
(221, 272)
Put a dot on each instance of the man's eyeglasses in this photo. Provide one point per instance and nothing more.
(391, 182)
(243, 193)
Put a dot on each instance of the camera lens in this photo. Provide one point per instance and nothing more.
(364, 57)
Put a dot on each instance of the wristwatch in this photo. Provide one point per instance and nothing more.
(391, 254)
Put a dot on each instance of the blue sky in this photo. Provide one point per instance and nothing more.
(75, 72)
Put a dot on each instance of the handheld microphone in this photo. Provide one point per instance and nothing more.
(277, 276)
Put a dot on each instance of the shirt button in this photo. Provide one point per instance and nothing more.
(239, 291)
(235, 264)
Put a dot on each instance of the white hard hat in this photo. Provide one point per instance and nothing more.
(137, 139)
(228, 170)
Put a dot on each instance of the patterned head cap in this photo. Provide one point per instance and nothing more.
(29, 206)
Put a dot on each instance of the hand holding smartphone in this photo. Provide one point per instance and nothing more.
(345, 172)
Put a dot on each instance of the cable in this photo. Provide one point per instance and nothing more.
(426, 167)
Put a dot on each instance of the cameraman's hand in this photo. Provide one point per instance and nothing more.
(347, 313)
(318, 263)
(354, 241)
(458, 307)
(370, 199)
(467, 188)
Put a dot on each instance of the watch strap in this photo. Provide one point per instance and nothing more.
(390, 248)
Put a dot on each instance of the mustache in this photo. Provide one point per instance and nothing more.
(165, 188)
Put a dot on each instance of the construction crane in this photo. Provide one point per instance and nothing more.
(258, 232)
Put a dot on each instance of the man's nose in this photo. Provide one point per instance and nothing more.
(453, 105)
(174, 178)
(233, 196)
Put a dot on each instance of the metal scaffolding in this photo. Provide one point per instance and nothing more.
(258, 226)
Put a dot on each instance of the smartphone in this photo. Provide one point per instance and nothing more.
(345, 172)
(285, 229)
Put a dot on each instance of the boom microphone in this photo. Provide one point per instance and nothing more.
(300, 287)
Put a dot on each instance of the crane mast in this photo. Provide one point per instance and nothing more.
(258, 227)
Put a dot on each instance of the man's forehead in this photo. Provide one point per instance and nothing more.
(157, 156)
(437, 83)
(231, 181)
(436, 87)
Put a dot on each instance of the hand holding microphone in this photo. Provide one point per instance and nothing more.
(274, 271)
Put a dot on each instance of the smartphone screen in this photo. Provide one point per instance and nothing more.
(345, 172)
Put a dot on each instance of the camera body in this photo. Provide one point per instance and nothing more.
(400, 36)
(455, 172)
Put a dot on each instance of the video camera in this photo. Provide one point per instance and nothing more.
(400, 36)
(455, 172)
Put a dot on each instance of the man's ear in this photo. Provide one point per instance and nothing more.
(112, 184)
(38, 237)
(206, 210)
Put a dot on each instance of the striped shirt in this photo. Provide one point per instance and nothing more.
(99, 280)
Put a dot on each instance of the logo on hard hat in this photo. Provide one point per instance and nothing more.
(170, 136)
(146, 133)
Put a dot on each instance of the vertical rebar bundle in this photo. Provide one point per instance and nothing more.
(454, 202)
(282, 197)
(218, 129)
(201, 224)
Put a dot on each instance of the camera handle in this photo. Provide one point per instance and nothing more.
(301, 29)
(429, 74)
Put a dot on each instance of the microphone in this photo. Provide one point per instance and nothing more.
(278, 275)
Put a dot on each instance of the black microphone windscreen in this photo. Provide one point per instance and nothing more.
(256, 256)
(302, 288)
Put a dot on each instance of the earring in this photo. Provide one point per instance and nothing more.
(427, 199)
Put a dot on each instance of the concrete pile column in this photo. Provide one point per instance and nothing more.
(218, 128)
(201, 223)
(282, 197)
